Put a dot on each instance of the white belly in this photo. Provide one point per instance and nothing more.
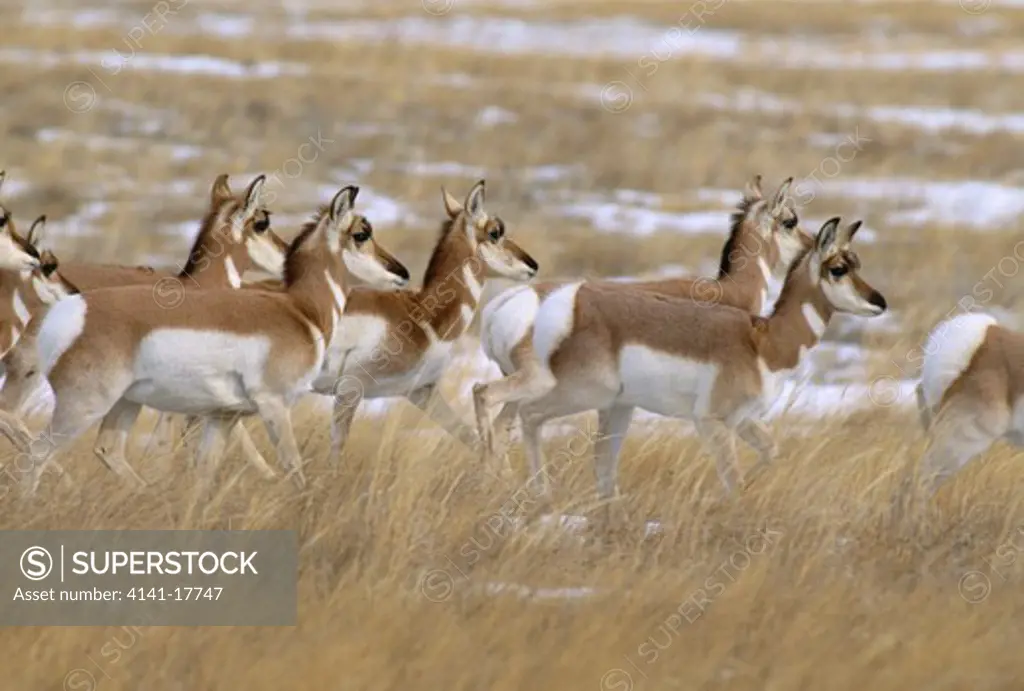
(428, 370)
(363, 348)
(665, 384)
(356, 338)
(199, 372)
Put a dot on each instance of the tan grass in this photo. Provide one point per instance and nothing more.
(839, 596)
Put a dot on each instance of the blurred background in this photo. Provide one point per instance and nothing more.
(615, 136)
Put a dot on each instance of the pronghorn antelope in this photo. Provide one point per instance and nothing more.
(22, 293)
(234, 234)
(617, 350)
(221, 354)
(219, 256)
(970, 393)
(764, 239)
(398, 343)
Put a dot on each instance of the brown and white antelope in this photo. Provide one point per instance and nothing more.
(971, 393)
(764, 239)
(616, 350)
(23, 293)
(220, 255)
(234, 235)
(221, 354)
(398, 343)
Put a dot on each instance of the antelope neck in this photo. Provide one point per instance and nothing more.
(211, 264)
(797, 323)
(452, 286)
(748, 267)
(320, 291)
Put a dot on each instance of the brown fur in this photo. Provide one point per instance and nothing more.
(582, 371)
(740, 283)
(205, 268)
(436, 306)
(980, 406)
(471, 247)
(16, 287)
(91, 375)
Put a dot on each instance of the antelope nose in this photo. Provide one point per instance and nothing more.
(878, 300)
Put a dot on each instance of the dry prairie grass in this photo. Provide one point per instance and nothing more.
(802, 582)
(842, 598)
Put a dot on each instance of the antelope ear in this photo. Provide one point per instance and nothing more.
(451, 204)
(343, 203)
(827, 236)
(475, 200)
(753, 189)
(35, 233)
(780, 196)
(849, 232)
(253, 194)
(220, 190)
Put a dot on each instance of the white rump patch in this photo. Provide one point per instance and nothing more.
(554, 321)
(948, 352)
(504, 323)
(61, 326)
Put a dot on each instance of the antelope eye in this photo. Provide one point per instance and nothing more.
(838, 271)
(499, 230)
(3, 221)
(48, 269)
(791, 222)
(261, 225)
(365, 232)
